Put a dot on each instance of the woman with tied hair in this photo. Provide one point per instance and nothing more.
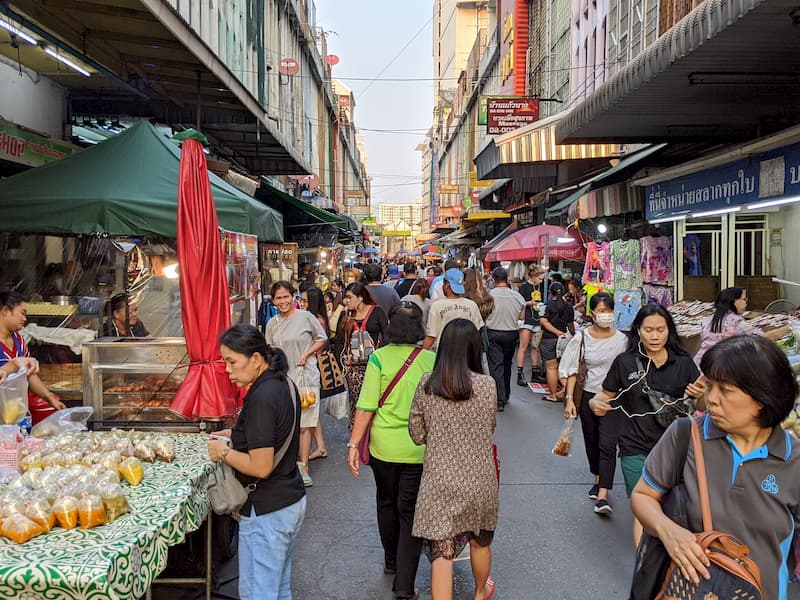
(395, 460)
(727, 320)
(274, 512)
(418, 294)
(299, 334)
(752, 464)
(454, 413)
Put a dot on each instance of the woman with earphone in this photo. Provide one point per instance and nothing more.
(654, 358)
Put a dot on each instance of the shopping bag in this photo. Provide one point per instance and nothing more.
(308, 386)
(563, 446)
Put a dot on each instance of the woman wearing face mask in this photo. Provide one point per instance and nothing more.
(598, 346)
(654, 356)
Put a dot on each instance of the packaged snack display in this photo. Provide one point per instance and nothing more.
(144, 452)
(65, 510)
(91, 512)
(131, 469)
(165, 449)
(563, 445)
(20, 528)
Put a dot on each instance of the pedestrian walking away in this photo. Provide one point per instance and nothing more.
(385, 296)
(452, 306)
(454, 414)
(557, 322)
(273, 514)
(300, 335)
(392, 375)
(530, 329)
(653, 360)
(590, 354)
(503, 334)
(403, 286)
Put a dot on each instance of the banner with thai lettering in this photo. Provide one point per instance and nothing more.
(770, 175)
(507, 114)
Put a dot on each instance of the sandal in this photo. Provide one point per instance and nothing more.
(307, 481)
(551, 399)
(323, 453)
(491, 584)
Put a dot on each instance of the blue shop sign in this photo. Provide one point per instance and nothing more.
(765, 176)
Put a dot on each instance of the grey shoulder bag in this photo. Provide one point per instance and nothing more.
(225, 493)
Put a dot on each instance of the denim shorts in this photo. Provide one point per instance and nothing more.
(266, 543)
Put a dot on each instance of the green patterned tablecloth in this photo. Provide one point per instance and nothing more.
(121, 559)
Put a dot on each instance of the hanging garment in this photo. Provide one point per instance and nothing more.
(626, 304)
(659, 294)
(657, 262)
(626, 264)
(598, 264)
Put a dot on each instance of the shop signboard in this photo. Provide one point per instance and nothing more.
(355, 194)
(448, 188)
(482, 101)
(766, 176)
(514, 28)
(26, 148)
(278, 263)
(508, 114)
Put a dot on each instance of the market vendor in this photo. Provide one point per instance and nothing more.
(115, 325)
(13, 316)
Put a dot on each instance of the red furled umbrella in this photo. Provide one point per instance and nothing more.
(206, 392)
(532, 243)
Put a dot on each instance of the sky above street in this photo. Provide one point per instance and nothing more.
(376, 42)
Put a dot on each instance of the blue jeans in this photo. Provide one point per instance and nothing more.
(266, 543)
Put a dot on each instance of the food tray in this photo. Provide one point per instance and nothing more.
(54, 310)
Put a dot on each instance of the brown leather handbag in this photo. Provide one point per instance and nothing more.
(580, 376)
(734, 575)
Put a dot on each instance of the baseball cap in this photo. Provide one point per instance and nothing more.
(456, 280)
(394, 272)
(557, 289)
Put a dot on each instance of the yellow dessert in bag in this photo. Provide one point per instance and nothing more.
(91, 512)
(65, 510)
(20, 528)
(131, 469)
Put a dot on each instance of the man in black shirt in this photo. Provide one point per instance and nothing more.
(403, 287)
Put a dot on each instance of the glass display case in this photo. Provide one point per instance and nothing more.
(130, 382)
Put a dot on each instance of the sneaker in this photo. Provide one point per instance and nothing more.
(593, 491)
(501, 408)
(602, 507)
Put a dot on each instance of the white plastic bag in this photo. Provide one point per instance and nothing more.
(336, 405)
(68, 420)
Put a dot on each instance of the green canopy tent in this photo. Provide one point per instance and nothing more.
(127, 186)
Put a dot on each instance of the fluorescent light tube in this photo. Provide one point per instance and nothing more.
(721, 211)
(667, 219)
(768, 203)
(67, 62)
(20, 34)
(564, 240)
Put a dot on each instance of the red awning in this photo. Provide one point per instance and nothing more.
(532, 243)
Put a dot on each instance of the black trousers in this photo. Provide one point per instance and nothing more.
(396, 496)
(502, 348)
(600, 435)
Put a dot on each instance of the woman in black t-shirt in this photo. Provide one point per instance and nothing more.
(558, 319)
(269, 417)
(654, 355)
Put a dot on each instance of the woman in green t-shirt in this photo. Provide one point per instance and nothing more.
(395, 460)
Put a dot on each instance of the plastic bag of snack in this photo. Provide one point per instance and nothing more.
(65, 510)
(91, 511)
(39, 512)
(165, 450)
(114, 502)
(563, 445)
(143, 451)
(20, 528)
(30, 461)
(131, 469)
(111, 460)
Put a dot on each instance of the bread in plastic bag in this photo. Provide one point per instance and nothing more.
(563, 446)
(63, 421)
(91, 511)
(131, 469)
(143, 451)
(114, 502)
(65, 510)
(20, 528)
(39, 512)
(165, 450)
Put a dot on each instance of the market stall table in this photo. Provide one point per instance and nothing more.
(122, 559)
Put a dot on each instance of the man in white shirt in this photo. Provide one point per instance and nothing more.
(451, 306)
(502, 331)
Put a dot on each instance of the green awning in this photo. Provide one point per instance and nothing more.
(607, 177)
(320, 214)
(126, 185)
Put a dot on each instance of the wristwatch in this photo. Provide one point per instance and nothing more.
(224, 454)
(567, 396)
(349, 445)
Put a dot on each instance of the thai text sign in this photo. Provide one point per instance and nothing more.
(28, 148)
(507, 114)
(769, 175)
